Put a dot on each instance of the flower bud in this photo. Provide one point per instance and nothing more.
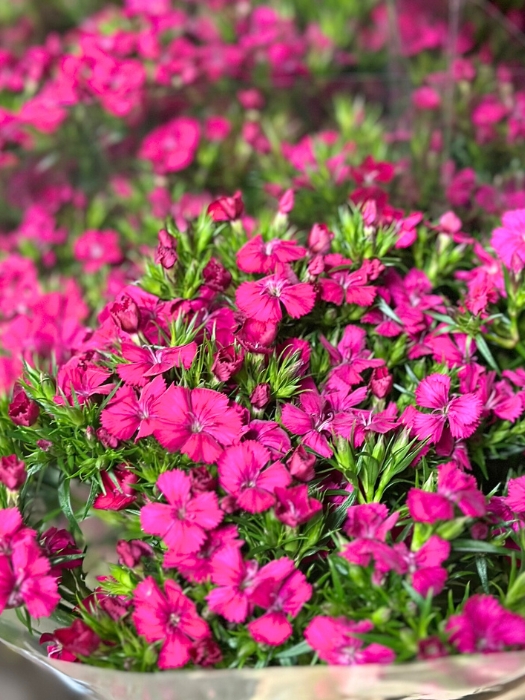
(227, 208)
(227, 363)
(286, 202)
(106, 439)
(131, 552)
(22, 410)
(166, 254)
(301, 464)
(320, 238)
(126, 314)
(12, 472)
(216, 276)
(260, 396)
(381, 382)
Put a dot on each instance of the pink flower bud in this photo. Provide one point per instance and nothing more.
(216, 276)
(316, 265)
(22, 410)
(227, 363)
(166, 254)
(44, 445)
(106, 439)
(320, 238)
(286, 202)
(227, 208)
(381, 382)
(260, 396)
(126, 314)
(131, 552)
(12, 472)
(301, 464)
(431, 648)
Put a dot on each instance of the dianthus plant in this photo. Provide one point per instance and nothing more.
(305, 446)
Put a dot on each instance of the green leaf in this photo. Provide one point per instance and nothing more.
(64, 498)
(485, 351)
(298, 649)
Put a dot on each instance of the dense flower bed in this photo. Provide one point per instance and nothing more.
(268, 332)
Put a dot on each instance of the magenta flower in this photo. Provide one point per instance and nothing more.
(197, 566)
(149, 361)
(68, 643)
(183, 522)
(424, 566)
(168, 617)
(456, 417)
(258, 257)
(234, 579)
(335, 641)
(25, 580)
(125, 413)
(342, 286)
(455, 488)
(196, 422)
(262, 300)
(22, 410)
(97, 248)
(515, 499)
(12, 472)
(244, 475)
(172, 146)
(227, 208)
(270, 434)
(316, 420)
(78, 381)
(350, 359)
(118, 489)
(280, 590)
(294, 507)
(508, 241)
(485, 626)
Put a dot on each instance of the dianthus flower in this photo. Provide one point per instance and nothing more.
(183, 522)
(118, 489)
(424, 565)
(455, 488)
(196, 422)
(485, 626)
(350, 358)
(197, 566)
(244, 474)
(294, 507)
(97, 248)
(172, 146)
(342, 286)
(149, 361)
(508, 240)
(68, 643)
(456, 417)
(281, 590)
(335, 641)
(234, 578)
(126, 413)
(262, 300)
(259, 257)
(169, 617)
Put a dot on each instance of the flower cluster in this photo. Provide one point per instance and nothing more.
(270, 340)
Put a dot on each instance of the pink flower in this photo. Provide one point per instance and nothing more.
(130, 552)
(301, 464)
(25, 580)
(454, 488)
(97, 248)
(125, 413)
(168, 617)
(68, 643)
(426, 98)
(456, 417)
(258, 257)
(350, 359)
(262, 300)
(335, 641)
(197, 566)
(12, 529)
(166, 252)
(149, 361)
(270, 434)
(172, 146)
(227, 208)
(118, 489)
(320, 417)
(60, 543)
(515, 498)
(508, 240)
(485, 626)
(294, 507)
(234, 579)
(424, 566)
(320, 239)
(183, 522)
(243, 475)
(78, 381)
(196, 422)
(12, 472)
(280, 590)
(22, 410)
(342, 286)
(126, 314)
